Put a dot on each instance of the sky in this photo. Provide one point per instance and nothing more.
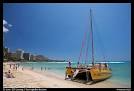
(56, 30)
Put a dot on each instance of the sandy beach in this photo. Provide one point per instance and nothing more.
(30, 79)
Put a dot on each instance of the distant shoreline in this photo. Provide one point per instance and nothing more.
(37, 61)
(64, 61)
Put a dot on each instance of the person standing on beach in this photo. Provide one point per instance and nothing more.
(41, 68)
(18, 65)
(13, 66)
(32, 68)
(69, 64)
(10, 66)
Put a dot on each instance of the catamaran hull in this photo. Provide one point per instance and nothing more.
(99, 75)
(88, 75)
(93, 75)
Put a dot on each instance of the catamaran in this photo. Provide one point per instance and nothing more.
(88, 73)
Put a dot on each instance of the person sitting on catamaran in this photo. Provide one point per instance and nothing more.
(78, 64)
(100, 66)
(69, 73)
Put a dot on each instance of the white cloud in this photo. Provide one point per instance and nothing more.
(4, 22)
(4, 28)
(9, 25)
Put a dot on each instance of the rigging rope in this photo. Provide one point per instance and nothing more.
(92, 42)
(83, 42)
(100, 41)
(86, 57)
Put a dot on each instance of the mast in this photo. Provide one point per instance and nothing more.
(92, 37)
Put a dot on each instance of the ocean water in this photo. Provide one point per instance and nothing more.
(121, 71)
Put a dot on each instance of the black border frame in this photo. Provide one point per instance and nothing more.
(66, 1)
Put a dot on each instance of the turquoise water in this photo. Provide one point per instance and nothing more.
(121, 71)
